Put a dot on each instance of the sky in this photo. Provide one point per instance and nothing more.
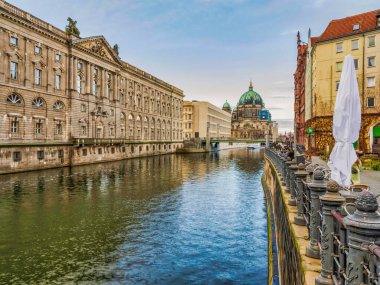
(210, 49)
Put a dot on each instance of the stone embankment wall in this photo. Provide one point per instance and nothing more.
(294, 268)
(27, 158)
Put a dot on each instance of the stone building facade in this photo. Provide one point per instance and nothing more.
(250, 119)
(66, 100)
(358, 35)
(299, 91)
(197, 115)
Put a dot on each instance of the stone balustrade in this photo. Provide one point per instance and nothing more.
(343, 227)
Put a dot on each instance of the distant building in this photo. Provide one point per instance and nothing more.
(299, 91)
(358, 35)
(196, 116)
(250, 119)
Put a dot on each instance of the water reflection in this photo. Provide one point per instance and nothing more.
(196, 219)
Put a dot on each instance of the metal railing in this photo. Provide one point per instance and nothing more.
(343, 223)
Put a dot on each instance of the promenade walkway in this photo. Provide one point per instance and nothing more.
(369, 177)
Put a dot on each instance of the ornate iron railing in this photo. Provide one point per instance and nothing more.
(347, 242)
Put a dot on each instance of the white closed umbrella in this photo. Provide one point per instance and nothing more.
(346, 125)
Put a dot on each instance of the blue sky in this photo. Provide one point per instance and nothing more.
(208, 48)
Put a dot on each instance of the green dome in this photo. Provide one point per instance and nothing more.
(226, 105)
(251, 98)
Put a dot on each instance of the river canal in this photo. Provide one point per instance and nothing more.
(173, 219)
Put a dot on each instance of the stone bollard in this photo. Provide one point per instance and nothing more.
(300, 175)
(363, 230)
(287, 174)
(317, 188)
(283, 178)
(292, 183)
(331, 201)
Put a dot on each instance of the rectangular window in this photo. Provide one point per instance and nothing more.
(79, 84)
(37, 50)
(57, 82)
(112, 150)
(370, 102)
(14, 127)
(84, 152)
(339, 66)
(58, 57)
(355, 44)
(38, 128)
(40, 154)
(13, 41)
(58, 129)
(370, 81)
(371, 41)
(14, 70)
(84, 130)
(111, 132)
(100, 151)
(83, 107)
(37, 76)
(356, 63)
(95, 87)
(371, 61)
(337, 85)
(16, 155)
(61, 152)
(339, 47)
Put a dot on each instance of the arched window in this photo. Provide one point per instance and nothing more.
(38, 102)
(14, 99)
(122, 116)
(130, 117)
(58, 106)
(138, 119)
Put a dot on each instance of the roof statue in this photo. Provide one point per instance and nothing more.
(116, 49)
(71, 28)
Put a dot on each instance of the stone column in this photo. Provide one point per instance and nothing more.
(75, 73)
(115, 92)
(88, 78)
(317, 188)
(287, 174)
(363, 230)
(49, 70)
(292, 183)
(71, 72)
(331, 201)
(103, 84)
(27, 73)
(300, 175)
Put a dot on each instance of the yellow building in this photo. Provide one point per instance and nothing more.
(196, 116)
(359, 36)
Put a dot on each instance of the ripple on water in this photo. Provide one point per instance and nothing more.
(197, 219)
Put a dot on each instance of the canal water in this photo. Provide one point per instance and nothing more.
(194, 219)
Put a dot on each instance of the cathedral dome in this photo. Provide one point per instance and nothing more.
(251, 98)
(226, 105)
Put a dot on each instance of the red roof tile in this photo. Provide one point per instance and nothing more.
(344, 27)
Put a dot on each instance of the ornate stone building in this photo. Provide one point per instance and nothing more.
(66, 100)
(250, 119)
(299, 91)
(358, 35)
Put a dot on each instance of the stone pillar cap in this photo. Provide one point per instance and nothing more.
(366, 216)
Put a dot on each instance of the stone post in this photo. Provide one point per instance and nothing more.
(292, 183)
(332, 200)
(300, 175)
(363, 230)
(287, 174)
(283, 170)
(317, 188)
